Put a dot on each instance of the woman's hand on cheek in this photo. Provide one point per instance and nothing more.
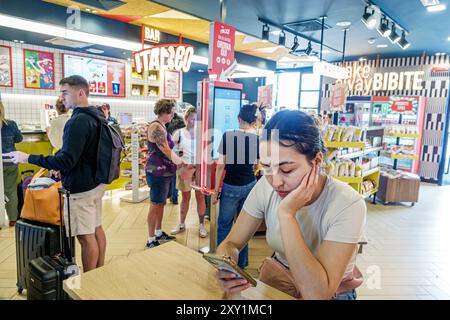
(301, 195)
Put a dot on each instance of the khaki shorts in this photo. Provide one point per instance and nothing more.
(182, 184)
(85, 211)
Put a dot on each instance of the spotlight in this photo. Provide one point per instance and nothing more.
(265, 33)
(403, 43)
(394, 36)
(308, 50)
(282, 39)
(295, 46)
(383, 28)
(369, 18)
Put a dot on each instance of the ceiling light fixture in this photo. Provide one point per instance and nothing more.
(282, 39)
(87, 10)
(382, 46)
(371, 40)
(403, 43)
(265, 33)
(308, 49)
(394, 37)
(344, 24)
(383, 28)
(437, 8)
(369, 17)
(295, 45)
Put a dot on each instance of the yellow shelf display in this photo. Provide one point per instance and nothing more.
(399, 156)
(403, 135)
(337, 145)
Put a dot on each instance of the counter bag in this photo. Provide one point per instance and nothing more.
(41, 201)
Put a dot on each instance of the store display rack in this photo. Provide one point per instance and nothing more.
(365, 153)
(133, 166)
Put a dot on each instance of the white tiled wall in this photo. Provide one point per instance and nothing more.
(23, 105)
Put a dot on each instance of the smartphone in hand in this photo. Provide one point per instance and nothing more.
(224, 263)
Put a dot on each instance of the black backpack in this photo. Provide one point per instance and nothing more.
(109, 152)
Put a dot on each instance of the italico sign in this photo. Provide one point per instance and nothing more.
(175, 57)
(360, 78)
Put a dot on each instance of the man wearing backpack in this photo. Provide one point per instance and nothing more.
(77, 162)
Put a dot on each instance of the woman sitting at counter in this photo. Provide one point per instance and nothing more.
(10, 136)
(314, 222)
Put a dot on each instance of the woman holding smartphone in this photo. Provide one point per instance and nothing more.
(314, 222)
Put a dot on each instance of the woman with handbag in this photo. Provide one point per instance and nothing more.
(185, 144)
(160, 168)
(314, 222)
(10, 136)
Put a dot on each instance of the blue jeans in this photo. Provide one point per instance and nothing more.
(232, 199)
(159, 188)
(349, 295)
(174, 190)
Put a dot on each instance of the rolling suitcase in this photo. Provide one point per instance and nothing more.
(46, 274)
(33, 240)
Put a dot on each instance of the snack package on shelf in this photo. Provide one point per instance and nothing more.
(332, 133)
(402, 129)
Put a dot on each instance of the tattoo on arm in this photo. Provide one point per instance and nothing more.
(159, 137)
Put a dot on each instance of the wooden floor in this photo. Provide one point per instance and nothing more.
(407, 257)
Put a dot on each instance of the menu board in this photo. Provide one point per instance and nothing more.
(5, 67)
(172, 86)
(39, 69)
(105, 78)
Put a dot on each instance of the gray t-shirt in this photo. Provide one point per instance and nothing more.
(339, 214)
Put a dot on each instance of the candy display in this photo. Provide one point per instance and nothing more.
(342, 133)
(401, 129)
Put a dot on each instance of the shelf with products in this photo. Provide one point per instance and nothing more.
(135, 75)
(153, 75)
(137, 90)
(353, 156)
(153, 91)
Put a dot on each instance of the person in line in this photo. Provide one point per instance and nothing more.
(314, 222)
(160, 168)
(10, 136)
(56, 129)
(175, 124)
(238, 156)
(106, 108)
(185, 143)
(77, 163)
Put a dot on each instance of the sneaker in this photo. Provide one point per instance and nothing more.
(152, 244)
(12, 223)
(164, 237)
(178, 229)
(202, 231)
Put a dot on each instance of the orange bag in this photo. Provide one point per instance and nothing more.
(42, 205)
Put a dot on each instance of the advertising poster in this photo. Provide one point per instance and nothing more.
(221, 47)
(265, 96)
(95, 72)
(5, 67)
(172, 85)
(116, 79)
(39, 69)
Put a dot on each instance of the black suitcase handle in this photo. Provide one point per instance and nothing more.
(61, 192)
